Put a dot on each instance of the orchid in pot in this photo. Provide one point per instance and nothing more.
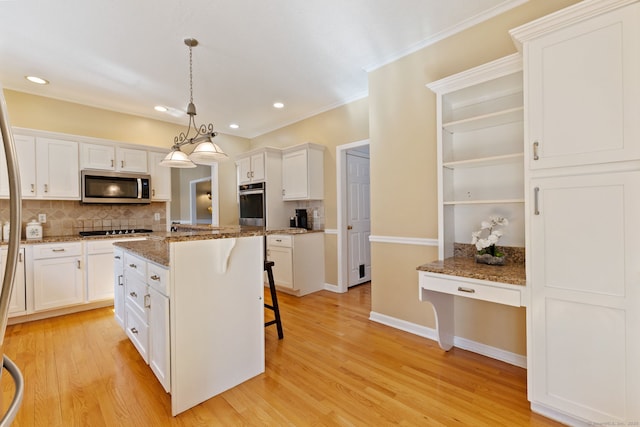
(486, 246)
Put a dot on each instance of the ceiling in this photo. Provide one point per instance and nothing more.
(128, 56)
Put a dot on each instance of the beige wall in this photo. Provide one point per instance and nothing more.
(404, 181)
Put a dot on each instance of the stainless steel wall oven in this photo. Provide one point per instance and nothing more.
(251, 201)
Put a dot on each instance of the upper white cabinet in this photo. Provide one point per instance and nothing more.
(480, 151)
(583, 203)
(583, 87)
(131, 160)
(96, 156)
(251, 168)
(113, 158)
(48, 168)
(303, 172)
(160, 177)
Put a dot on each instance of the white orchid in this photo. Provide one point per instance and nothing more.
(488, 244)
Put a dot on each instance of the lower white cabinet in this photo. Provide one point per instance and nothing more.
(18, 304)
(57, 275)
(146, 311)
(118, 286)
(298, 262)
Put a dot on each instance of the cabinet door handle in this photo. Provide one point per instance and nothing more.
(248, 174)
(147, 301)
(46, 188)
(133, 294)
(112, 163)
(19, 256)
(78, 263)
(134, 330)
(155, 277)
(33, 188)
(283, 191)
(133, 266)
(122, 163)
(467, 290)
(536, 144)
(251, 174)
(536, 207)
(153, 192)
(117, 257)
(120, 280)
(58, 250)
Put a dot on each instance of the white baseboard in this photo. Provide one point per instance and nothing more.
(463, 343)
(563, 418)
(332, 288)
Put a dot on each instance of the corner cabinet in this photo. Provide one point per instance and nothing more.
(303, 172)
(480, 152)
(160, 177)
(583, 203)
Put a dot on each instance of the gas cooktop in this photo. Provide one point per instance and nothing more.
(114, 232)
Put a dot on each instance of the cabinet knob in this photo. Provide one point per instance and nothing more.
(134, 330)
(117, 257)
(155, 277)
(133, 266)
(133, 294)
(349, 227)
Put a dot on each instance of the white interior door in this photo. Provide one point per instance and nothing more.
(359, 218)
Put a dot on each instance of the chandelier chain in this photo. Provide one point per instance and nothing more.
(190, 74)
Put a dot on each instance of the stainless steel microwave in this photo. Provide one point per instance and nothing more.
(115, 187)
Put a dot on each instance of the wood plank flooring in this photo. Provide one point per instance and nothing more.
(333, 367)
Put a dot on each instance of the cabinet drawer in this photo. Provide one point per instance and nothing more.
(57, 250)
(158, 278)
(280, 240)
(135, 267)
(136, 294)
(138, 332)
(471, 289)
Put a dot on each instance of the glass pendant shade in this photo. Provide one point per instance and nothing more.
(207, 153)
(177, 159)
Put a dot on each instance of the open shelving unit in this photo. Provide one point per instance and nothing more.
(480, 151)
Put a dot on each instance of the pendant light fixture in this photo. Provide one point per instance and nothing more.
(205, 152)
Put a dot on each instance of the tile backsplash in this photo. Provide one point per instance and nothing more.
(69, 217)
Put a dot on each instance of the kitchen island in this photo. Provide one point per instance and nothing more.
(200, 296)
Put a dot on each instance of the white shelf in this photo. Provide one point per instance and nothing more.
(483, 202)
(497, 118)
(485, 161)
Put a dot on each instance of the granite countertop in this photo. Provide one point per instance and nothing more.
(463, 264)
(512, 272)
(156, 247)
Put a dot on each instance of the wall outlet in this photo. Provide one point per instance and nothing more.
(42, 218)
(156, 216)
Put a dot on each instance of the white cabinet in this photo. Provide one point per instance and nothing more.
(159, 352)
(57, 275)
(131, 160)
(303, 172)
(251, 168)
(57, 169)
(26, 152)
(583, 144)
(48, 168)
(160, 177)
(17, 305)
(298, 262)
(480, 151)
(96, 156)
(147, 313)
(118, 286)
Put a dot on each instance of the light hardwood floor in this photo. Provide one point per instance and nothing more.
(333, 367)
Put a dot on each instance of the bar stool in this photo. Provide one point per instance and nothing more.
(274, 300)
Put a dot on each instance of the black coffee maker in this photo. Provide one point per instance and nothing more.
(301, 218)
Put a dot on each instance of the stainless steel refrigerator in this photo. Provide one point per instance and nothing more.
(15, 216)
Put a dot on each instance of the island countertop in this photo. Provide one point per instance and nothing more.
(156, 247)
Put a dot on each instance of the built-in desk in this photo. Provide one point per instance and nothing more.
(441, 281)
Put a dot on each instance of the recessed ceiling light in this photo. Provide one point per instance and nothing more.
(161, 108)
(278, 105)
(234, 126)
(37, 80)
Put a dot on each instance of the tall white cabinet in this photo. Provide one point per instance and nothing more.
(582, 68)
